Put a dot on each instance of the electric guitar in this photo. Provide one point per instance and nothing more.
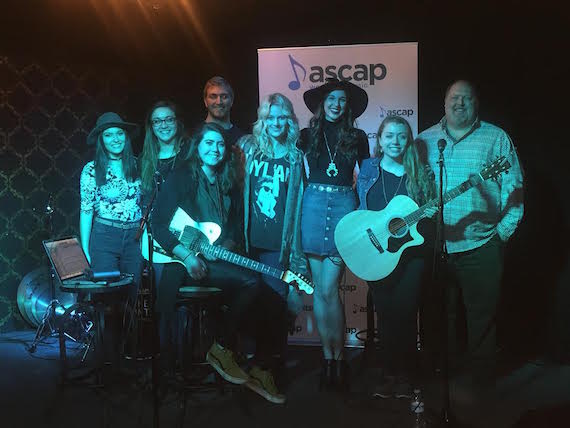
(371, 242)
(199, 237)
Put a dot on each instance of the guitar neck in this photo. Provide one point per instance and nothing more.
(226, 255)
(420, 213)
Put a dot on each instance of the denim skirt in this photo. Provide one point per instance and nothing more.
(323, 207)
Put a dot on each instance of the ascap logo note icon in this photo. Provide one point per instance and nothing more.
(347, 287)
(366, 74)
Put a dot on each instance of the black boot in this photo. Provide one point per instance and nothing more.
(327, 375)
(341, 376)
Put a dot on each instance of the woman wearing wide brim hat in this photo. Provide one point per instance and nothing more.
(110, 197)
(333, 148)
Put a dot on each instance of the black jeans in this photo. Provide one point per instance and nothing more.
(396, 300)
(251, 308)
(474, 278)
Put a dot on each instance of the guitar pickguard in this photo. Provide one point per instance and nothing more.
(394, 244)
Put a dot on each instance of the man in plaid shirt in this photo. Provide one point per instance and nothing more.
(477, 223)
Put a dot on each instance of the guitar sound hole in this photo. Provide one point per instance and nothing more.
(397, 227)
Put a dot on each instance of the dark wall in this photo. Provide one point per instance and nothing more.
(64, 62)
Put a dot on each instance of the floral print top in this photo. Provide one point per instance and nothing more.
(117, 200)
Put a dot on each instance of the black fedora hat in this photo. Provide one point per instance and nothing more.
(357, 97)
(110, 120)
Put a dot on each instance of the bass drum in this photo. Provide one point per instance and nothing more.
(34, 296)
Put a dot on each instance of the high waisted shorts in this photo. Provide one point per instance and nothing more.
(323, 207)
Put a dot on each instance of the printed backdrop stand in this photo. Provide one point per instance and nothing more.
(389, 74)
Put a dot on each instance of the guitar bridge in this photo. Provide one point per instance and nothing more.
(374, 240)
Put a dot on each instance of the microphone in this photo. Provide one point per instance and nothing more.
(441, 145)
(102, 276)
(49, 209)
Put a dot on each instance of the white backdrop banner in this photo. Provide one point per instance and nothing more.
(389, 75)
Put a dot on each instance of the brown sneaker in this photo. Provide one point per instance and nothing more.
(222, 360)
(261, 382)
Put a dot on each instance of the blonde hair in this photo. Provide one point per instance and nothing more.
(261, 141)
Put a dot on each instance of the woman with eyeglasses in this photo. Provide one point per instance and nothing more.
(163, 141)
(164, 137)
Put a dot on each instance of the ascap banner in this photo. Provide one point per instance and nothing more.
(389, 75)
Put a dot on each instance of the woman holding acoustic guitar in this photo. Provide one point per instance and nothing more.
(397, 170)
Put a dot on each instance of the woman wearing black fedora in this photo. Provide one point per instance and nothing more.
(333, 147)
(110, 200)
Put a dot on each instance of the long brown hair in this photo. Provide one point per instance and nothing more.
(347, 140)
(420, 182)
(128, 160)
(226, 169)
(149, 158)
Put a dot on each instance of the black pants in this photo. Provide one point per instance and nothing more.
(474, 279)
(396, 300)
(251, 308)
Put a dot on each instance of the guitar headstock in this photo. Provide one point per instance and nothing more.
(496, 168)
(298, 281)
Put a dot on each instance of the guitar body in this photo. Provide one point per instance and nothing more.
(200, 237)
(179, 221)
(372, 242)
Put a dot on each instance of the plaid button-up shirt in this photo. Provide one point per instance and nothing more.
(494, 206)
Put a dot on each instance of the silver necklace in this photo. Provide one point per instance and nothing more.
(384, 186)
(332, 170)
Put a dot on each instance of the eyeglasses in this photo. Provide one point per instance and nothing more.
(170, 120)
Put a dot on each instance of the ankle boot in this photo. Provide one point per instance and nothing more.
(341, 375)
(327, 375)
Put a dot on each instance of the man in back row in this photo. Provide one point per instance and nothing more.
(218, 99)
(477, 224)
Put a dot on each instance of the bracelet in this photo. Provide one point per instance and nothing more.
(190, 254)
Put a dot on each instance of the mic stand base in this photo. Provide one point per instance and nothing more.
(48, 323)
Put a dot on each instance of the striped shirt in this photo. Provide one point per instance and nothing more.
(494, 206)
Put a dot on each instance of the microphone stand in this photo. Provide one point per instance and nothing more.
(49, 318)
(145, 222)
(440, 261)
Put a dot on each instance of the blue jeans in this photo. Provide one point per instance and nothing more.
(112, 248)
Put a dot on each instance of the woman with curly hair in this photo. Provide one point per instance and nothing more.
(334, 148)
(397, 169)
(273, 191)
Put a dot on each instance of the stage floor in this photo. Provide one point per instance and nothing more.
(531, 394)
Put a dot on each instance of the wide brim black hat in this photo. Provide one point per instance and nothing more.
(111, 120)
(357, 97)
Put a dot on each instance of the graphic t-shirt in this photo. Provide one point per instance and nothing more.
(268, 184)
